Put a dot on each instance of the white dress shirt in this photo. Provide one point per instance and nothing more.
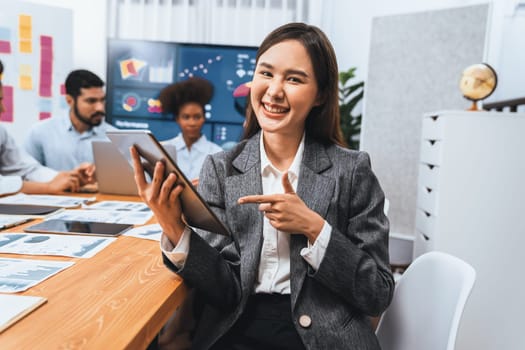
(274, 267)
(190, 160)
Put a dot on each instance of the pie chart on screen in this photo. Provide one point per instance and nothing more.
(130, 102)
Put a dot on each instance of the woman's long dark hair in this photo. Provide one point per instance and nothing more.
(322, 122)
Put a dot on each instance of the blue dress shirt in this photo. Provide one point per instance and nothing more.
(190, 160)
(56, 143)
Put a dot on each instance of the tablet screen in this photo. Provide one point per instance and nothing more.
(79, 227)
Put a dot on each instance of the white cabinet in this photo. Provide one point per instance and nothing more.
(471, 203)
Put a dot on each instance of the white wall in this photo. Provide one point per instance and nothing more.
(89, 32)
(349, 28)
(510, 54)
(346, 22)
(351, 25)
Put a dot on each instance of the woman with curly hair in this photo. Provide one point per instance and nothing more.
(186, 101)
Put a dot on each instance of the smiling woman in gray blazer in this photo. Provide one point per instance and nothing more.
(307, 260)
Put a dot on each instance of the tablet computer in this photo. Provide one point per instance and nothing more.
(27, 209)
(79, 227)
(196, 211)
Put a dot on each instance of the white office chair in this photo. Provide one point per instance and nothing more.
(428, 303)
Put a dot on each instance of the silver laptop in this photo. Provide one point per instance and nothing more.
(114, 173)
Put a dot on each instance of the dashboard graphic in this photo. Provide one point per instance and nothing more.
(138, 70)
(131, 68)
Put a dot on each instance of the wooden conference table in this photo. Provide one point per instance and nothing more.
(117, 299)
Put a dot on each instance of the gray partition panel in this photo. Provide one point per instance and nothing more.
(415, 64)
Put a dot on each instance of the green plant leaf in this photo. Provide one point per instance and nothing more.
(350, 94)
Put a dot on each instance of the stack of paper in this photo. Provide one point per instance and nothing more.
(7, 221)
(38, 206)
(47, 200)
(15, 307)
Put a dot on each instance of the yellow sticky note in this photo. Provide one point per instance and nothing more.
(24, 33)
(25, 27)
(25, 69)
(24, 20)
(25, 46)
(26, 82)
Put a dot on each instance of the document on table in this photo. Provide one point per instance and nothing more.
(152, 232)
(61, 245)
(17, 275)
(118, 205)
(15, 307)
(7, 221)
(109, 216)
(51, 200)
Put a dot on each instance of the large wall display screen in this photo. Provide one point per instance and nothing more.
(138, 70)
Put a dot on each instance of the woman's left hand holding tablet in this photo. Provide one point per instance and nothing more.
(161, 196)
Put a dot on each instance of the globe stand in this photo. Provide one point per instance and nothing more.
(473, 106)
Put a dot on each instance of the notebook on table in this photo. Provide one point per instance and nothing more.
(15, 307)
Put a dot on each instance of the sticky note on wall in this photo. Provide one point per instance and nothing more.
(26, 77)
(44, 115)
(5, 40)
(46, 66)
(7, 116)
(25, 36)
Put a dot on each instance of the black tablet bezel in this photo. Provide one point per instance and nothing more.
(78, 227)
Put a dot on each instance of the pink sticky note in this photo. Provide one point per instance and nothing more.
(46, 66)
(44, 115)
(5, 46)
(45, 89)
(7, 116)
(46, 40)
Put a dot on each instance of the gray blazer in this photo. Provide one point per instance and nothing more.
(353, 280)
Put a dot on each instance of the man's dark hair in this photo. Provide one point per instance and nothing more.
(81, 79)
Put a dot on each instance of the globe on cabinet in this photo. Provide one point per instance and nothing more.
(478, 82)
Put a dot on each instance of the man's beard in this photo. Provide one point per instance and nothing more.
(87, 120)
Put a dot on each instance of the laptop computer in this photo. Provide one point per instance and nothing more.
(114, 173)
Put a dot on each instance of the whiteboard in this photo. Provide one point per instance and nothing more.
(36, 50)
